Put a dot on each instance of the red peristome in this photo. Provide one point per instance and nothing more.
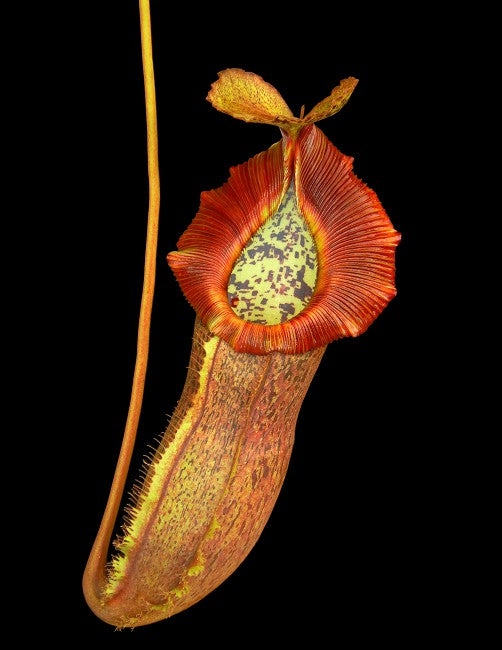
(227, 219)
(354, 237)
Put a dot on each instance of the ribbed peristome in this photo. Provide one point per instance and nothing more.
(354, 238)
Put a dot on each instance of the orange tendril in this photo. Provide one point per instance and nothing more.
(94, 576)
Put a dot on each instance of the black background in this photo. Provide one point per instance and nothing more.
(353, 536)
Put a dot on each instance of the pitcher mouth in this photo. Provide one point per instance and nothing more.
(347, 234)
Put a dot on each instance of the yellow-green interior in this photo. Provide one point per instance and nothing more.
(275, 275)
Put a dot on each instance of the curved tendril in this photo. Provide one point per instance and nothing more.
(94, 576)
